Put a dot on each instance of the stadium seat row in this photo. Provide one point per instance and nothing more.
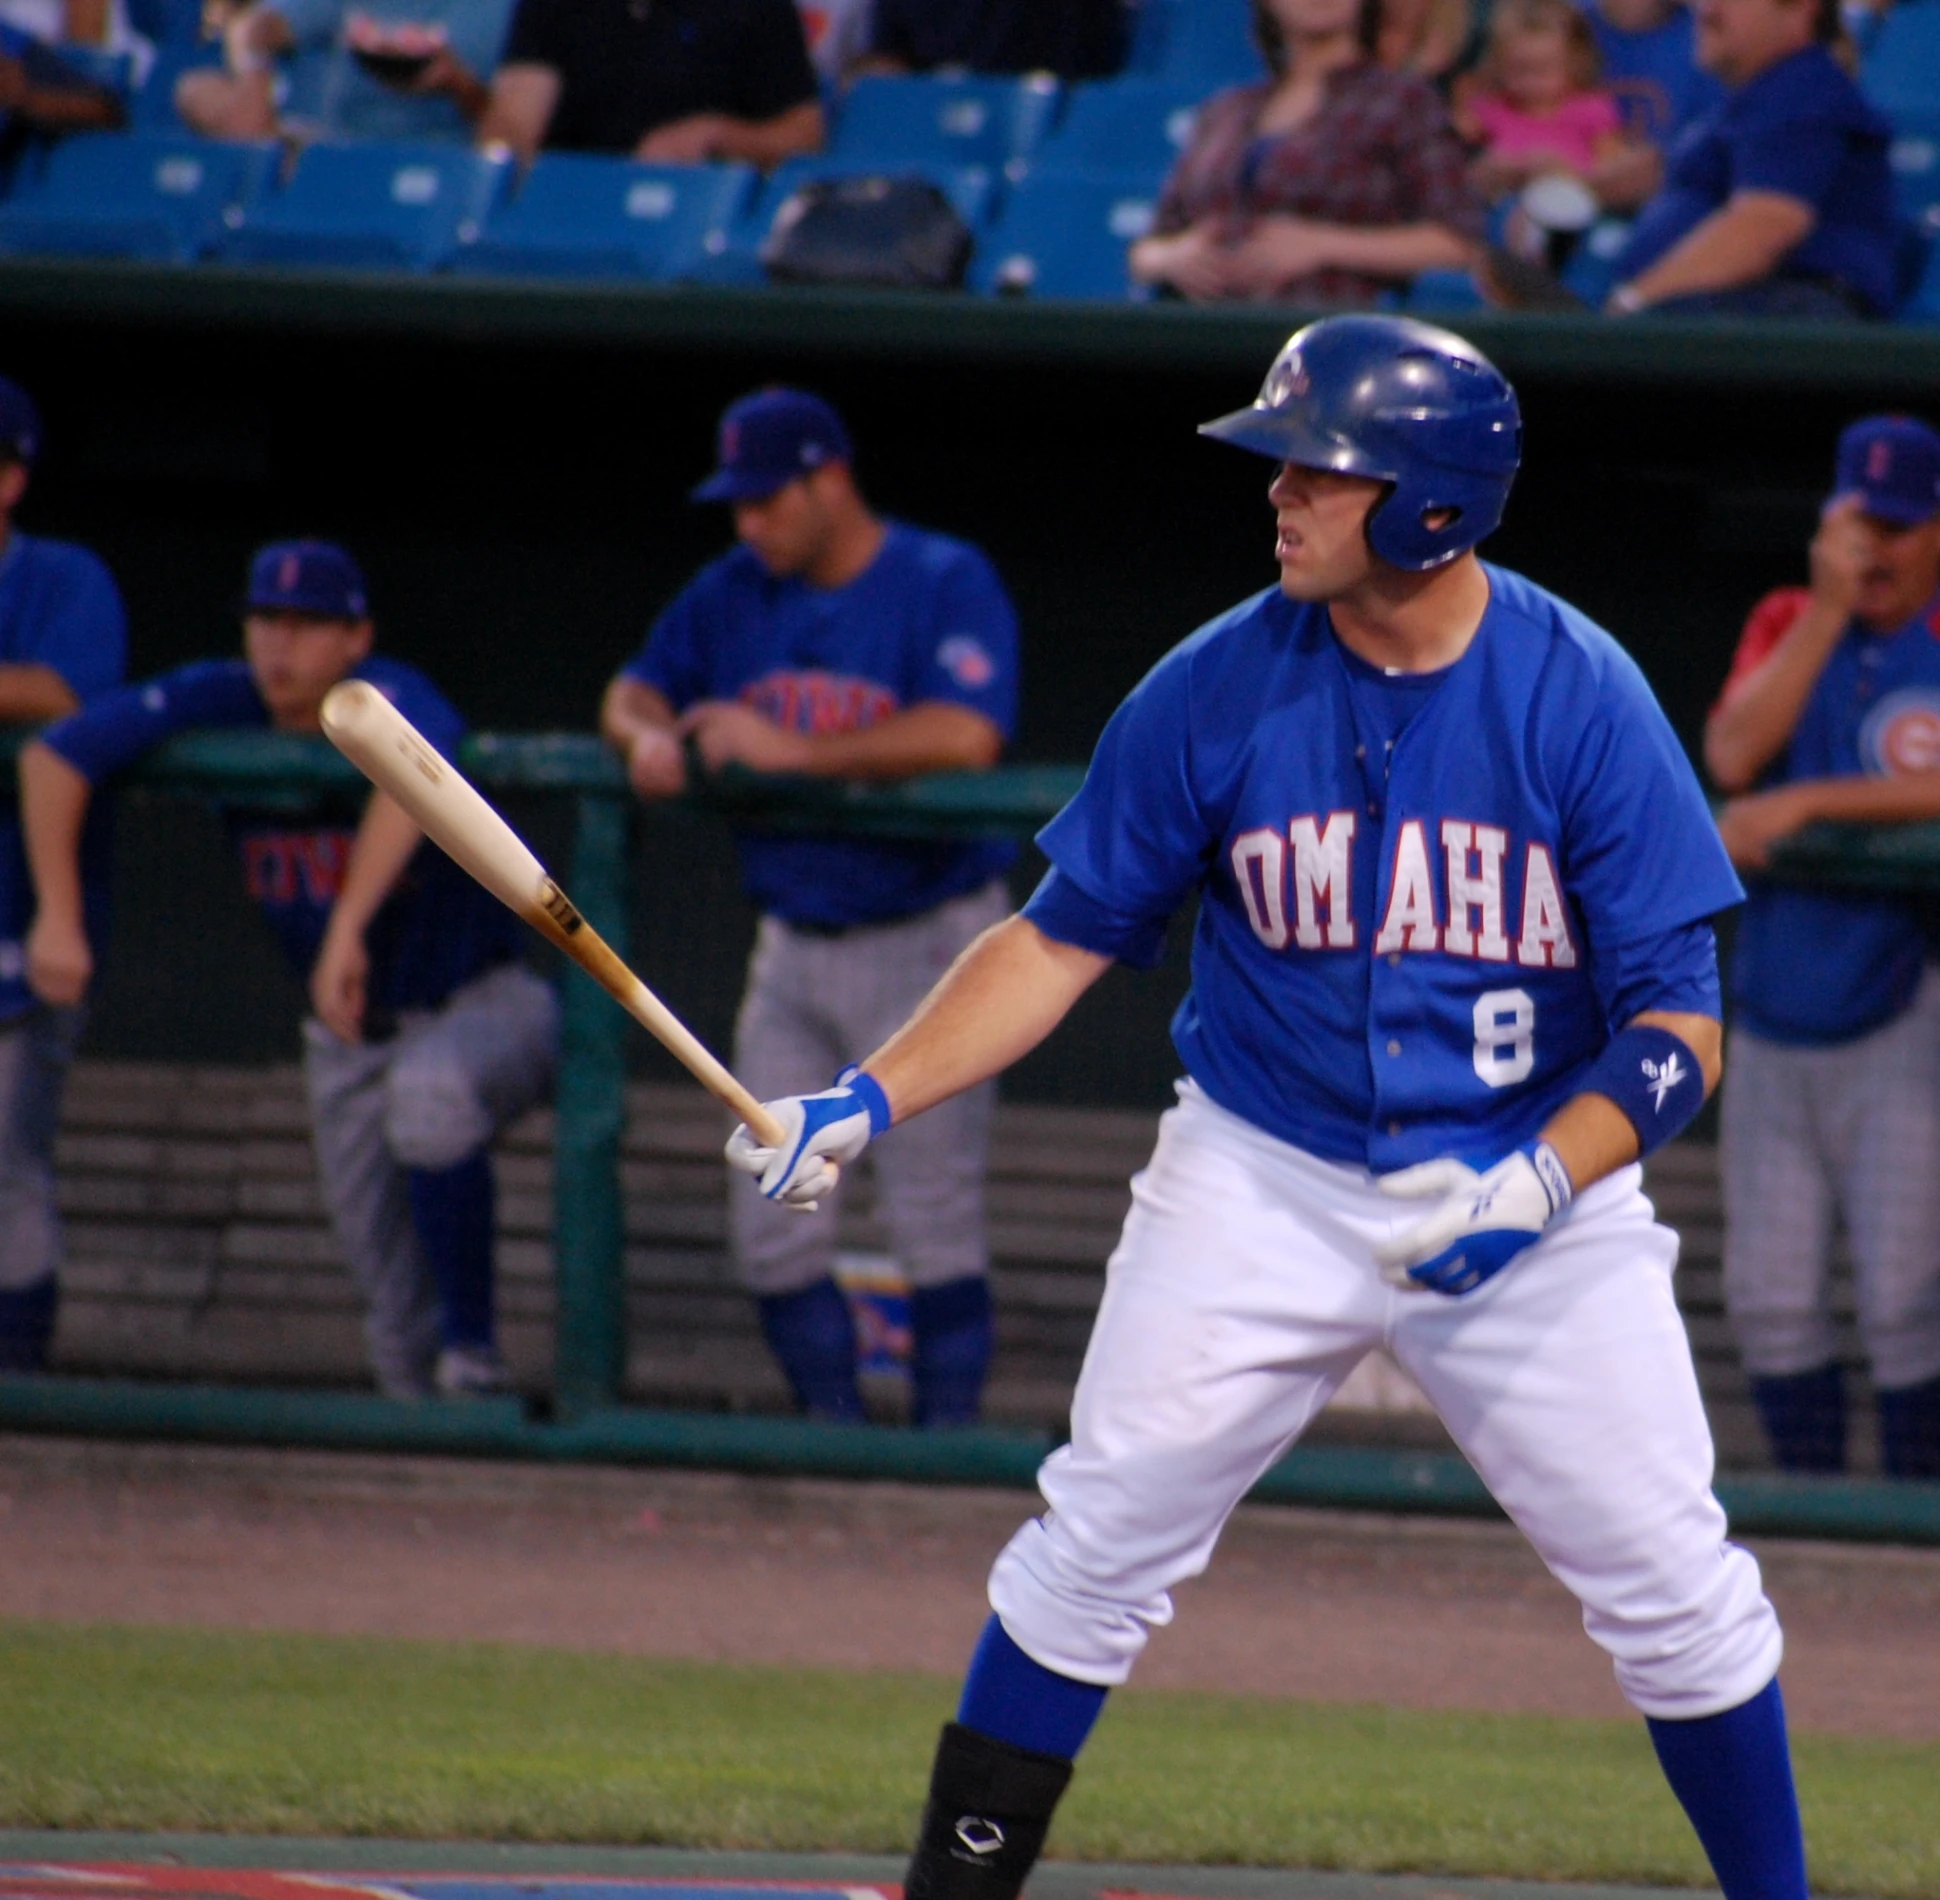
(438, 207)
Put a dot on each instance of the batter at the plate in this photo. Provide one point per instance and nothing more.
(1454, 974)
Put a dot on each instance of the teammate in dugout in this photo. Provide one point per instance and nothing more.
(63, 640)
(840, 644)
(1832, 711)
(1453, 974)
(429, 1034)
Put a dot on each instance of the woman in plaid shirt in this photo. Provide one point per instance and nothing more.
(1335, 181)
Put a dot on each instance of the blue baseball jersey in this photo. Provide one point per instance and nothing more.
(1425, 901)
(1814, 967)
(58, 608)
(928, 619)
(438, 928)
(1658, 84)
(1803, 129)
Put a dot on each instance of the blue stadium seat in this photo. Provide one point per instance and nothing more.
(1064, 234)
(933, 122)
(126, 194)
(372, 207)
(167, 22)
(1202, 42)
(1901, 70)
(580, 216)
(1442, 292)
(1124, 127)
(1915, 158)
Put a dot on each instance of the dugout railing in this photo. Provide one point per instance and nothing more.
(583, 1418)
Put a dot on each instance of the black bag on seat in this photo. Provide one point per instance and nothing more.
(887, 233)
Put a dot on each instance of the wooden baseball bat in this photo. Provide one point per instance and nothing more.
(376, 738)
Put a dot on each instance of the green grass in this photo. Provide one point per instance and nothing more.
(108, 1728)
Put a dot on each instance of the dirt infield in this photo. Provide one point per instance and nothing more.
(1321, 1606)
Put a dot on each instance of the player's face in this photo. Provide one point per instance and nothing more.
(1738, 39)
(1902, 572)
(1322, 519)
(297, 658)
(785, 531)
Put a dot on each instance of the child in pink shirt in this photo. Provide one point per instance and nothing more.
(1534, 105)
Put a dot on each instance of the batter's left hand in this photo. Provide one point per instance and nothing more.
(1483, 1222)
(729, 733)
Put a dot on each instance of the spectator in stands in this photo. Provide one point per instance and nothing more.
(63, 640)
(428, 1035)
(396, 69)
(1649, 58)
(1076, 39)
(1779, 202)
(1832, 711)
(1534, 106)
(41, 94)
(677, 82)
(99, 26)
(1334, 181)
(1428, 38)
(838, 644)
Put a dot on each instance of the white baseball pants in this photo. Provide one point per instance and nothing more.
(1240, 1296)
(1856, 1128)
(814, 1003)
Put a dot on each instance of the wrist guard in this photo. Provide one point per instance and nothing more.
(1654, 1076)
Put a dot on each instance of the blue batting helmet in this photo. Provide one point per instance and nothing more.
(1401, 402)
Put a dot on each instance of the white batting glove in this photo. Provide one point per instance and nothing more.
(819, 1134)
(1483, 1222)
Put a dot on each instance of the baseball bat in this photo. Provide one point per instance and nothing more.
(376, 738)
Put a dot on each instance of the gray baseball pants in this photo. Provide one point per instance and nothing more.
(434, 1094)
(813, 1004)
(35, 1052)
(1853, 1128)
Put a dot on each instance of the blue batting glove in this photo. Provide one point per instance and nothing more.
(819, 1134)
(1483, 1222)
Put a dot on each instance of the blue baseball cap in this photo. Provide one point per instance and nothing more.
(772, 438)
(306, 577)
(1892, 463)
(19, 423)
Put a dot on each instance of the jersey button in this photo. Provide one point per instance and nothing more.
(1394, 1048)
(1394, 959)
(1374, 811)
(1394, 1128)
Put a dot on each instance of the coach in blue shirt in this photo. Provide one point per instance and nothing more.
(63, 640)
(836, 643)
(1778, 203)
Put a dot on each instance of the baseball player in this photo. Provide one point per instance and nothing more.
(1453, 974)
(63, 639)
(1832, 711)
(840, 644)
(428, 1033)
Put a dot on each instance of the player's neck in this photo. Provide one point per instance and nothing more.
(855, 539)
(1412, 623)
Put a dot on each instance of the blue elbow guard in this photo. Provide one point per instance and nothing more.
(1655, 1077)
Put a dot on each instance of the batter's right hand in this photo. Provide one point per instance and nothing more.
(60, 964)
(819, 1133)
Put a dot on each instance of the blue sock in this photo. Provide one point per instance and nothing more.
(1804, 1415)
(950, 1326)
(1909, 1430)
(27, 1325)
(1012, 1699)
(812, 1333)
(452, 1210)
(1733, 1773)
